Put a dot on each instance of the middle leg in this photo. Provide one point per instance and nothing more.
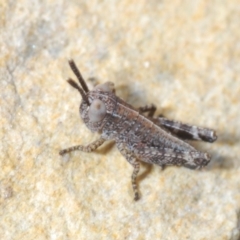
(151, 109)
(136, 167)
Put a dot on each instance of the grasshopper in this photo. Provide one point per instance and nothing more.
(139, 136)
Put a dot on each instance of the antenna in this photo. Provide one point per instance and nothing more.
(75, 85)
(78, 75)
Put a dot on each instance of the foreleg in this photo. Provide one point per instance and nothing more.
(89, 148)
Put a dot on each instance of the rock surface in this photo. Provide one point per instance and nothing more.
(181, 55)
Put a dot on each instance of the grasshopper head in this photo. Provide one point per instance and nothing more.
(93, 108)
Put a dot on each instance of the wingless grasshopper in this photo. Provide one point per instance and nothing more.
(139, 137)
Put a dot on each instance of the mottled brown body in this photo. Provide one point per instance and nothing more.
(138, 137)
(139, 134)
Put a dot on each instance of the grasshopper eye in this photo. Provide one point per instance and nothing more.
(97, 110)
(106, 87)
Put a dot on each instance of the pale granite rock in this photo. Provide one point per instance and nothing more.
(183, 56)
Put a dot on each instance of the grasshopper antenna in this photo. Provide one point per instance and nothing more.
(76, 71)
(75, 85)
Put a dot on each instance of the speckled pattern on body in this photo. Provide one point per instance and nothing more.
(154, 140)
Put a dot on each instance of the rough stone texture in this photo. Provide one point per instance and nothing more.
(182, 55)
